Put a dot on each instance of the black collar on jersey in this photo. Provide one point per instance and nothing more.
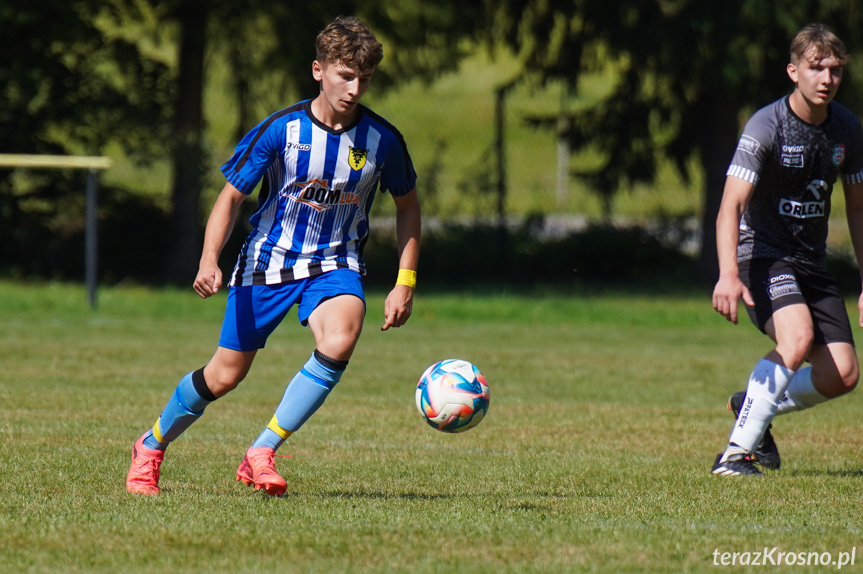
(791, 111)
(308, 109)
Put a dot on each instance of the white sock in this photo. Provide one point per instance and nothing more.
(801, 394)
(767, 385)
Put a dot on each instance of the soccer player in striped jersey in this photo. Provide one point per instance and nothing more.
(321, 162)
(771, 240)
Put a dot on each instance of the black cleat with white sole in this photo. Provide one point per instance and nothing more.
(735, 465)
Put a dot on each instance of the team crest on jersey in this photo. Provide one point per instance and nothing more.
(357, 158)
(838, 155)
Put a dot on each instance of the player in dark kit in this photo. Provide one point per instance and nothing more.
(771, 240)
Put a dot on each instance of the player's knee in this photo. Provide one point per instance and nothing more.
(795, 348)
(847, 374)
(841, 382)
(223, 381)
(804, 340)
(850, 379)
(340, 342)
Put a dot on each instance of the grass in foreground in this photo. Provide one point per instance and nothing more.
(606, 414)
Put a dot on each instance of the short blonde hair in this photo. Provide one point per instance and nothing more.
(347, 40)
(817, 41)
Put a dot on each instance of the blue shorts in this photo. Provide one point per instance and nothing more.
(254, 311)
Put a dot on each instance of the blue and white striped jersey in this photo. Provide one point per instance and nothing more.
(318, 188)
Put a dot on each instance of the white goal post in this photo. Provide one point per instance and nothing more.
(93, 164)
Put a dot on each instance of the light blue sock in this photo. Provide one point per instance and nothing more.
(184, 407)
(305, 394)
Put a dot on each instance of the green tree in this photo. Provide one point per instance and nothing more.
(77, 75)
(70, 83)
(688, 73)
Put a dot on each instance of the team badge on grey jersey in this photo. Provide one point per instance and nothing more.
(839, 155)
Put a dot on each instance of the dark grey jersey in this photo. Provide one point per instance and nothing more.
(794, 166)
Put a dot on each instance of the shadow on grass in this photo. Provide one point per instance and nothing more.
(380, 495)
(831, 473)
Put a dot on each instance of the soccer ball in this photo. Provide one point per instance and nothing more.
(452, 396)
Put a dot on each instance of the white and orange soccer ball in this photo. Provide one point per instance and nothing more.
(452, 395)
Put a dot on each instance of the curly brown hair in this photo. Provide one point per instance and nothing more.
(348, 40)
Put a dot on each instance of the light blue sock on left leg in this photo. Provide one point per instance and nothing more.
(185, 406)
(305, 394)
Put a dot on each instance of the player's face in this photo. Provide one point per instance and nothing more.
(817, 79)
(342, 87)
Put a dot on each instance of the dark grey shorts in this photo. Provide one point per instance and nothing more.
(775, 284)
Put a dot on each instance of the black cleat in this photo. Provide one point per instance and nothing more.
(766, 454)
(735, 465)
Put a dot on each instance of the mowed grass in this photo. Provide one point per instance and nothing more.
(606, 413)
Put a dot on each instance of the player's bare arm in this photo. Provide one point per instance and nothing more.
(854, 214)
(730, 289)
(219, 226)
(399, 303)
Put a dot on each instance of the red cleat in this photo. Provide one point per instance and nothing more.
(143, 477)
(258, 468)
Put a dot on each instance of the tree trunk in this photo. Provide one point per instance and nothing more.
(718, 118)
(186, 228)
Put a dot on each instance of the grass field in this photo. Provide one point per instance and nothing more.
(606, 413)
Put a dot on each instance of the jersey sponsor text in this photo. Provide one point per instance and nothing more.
(318, 195)
(801, 209)
(782, 285)
(748, 144)
(792, 159)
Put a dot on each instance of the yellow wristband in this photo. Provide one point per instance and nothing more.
(407, 277)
